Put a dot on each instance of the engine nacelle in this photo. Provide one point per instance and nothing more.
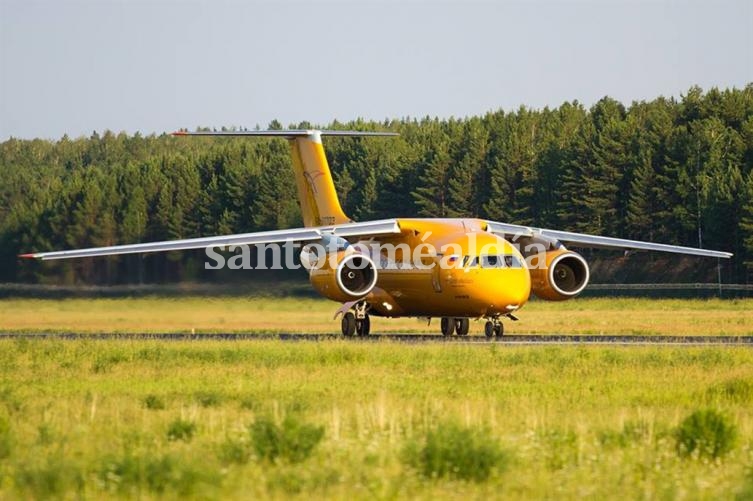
(343, 276)
(562, 275)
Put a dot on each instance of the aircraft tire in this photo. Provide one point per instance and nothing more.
(363, 326)
(448, 326)
(499, 329)
(462, 326)
(489, 329)
(348, 324)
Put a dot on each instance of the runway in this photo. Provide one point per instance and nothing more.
(507, 340)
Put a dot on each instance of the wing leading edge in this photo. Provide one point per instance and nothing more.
(511, 231)
(366, 229)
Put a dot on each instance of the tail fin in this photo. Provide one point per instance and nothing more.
(316, 189)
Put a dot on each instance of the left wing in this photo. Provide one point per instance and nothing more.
(366, 229)
(511, 231)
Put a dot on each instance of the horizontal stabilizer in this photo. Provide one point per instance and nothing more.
(292, 133)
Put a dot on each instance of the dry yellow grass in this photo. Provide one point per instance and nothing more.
(205, 314)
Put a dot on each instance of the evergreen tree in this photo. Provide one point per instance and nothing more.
(276, 202)
(643, 202)
(431, 193)
(463, 189)
(746, 222)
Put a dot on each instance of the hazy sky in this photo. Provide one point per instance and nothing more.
(152, 66)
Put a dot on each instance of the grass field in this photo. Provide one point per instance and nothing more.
(201, 314)
(261, 419)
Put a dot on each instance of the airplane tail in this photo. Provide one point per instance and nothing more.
(316, 189)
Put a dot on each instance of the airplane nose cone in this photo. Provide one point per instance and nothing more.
(511, 291)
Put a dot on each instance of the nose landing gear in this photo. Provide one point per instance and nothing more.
(494, 328)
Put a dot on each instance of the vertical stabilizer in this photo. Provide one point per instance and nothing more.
(316, 188)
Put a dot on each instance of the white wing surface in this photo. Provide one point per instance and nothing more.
(366, 229)
(511, 231)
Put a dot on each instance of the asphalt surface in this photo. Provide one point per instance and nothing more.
(516, 339)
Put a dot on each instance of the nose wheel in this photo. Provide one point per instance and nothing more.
(494, 328)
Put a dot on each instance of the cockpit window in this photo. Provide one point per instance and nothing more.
(493, 261)
(512, 262)
(489, 262)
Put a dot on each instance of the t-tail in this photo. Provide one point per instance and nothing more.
(316, 188)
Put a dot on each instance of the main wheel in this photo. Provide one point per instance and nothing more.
(499, 329)
(363, 326)
(462, 326)
(348, 324)
(448, 326)
(489, 329)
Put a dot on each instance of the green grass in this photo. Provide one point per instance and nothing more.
(226, 314)
(706, 433)
(261, 419)
(459, 452)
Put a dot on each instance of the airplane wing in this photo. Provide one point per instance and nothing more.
(511, 231)
(366, 229)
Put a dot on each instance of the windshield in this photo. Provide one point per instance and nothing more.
(491, 261)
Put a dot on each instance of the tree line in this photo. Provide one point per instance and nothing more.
(676, 171)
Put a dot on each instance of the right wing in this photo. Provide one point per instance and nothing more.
(365, 229)
(584, 240)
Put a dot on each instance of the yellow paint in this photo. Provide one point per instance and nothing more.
(316, 190)
(457, 291)
(540, 276)
(411, 291)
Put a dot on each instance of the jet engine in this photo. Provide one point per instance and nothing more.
(344, 275)
(559, 275)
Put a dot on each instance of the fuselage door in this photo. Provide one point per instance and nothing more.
(436, 274)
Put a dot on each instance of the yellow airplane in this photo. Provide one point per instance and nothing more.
(453, 269)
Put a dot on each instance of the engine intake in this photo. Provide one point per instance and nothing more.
(356, 275)
(343, 276)
(564, 275)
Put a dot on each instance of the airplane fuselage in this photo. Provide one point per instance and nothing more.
(467, 280)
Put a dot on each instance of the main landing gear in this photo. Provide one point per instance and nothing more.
(449, 325)
(356, 321)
